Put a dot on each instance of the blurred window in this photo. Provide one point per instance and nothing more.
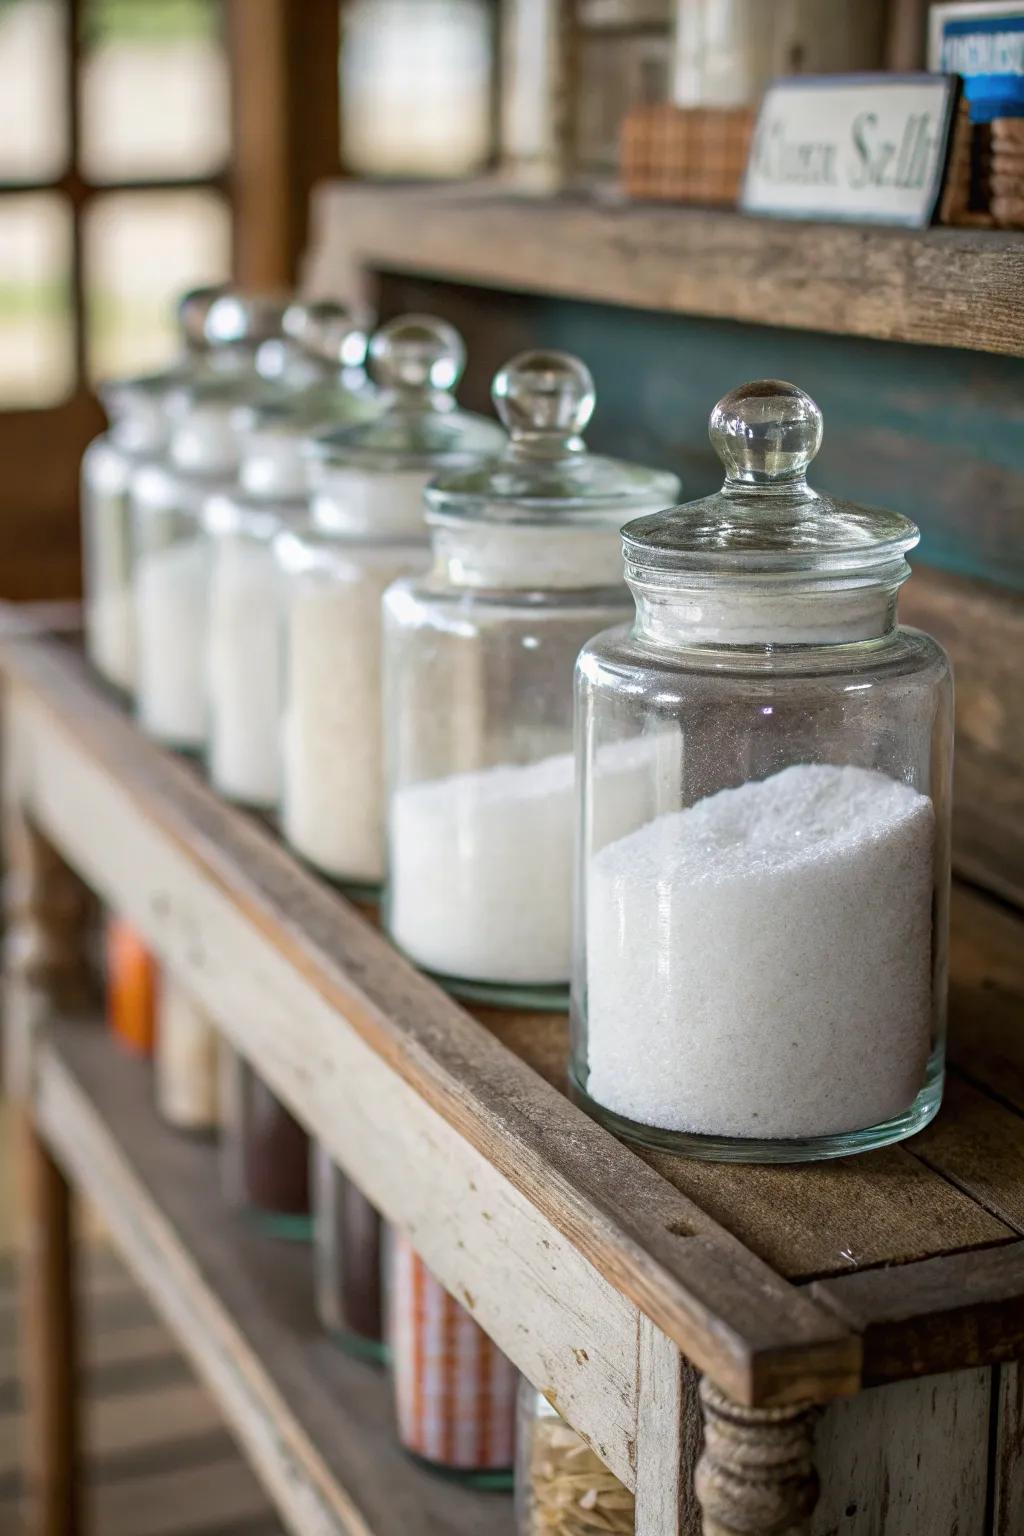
(114, 146)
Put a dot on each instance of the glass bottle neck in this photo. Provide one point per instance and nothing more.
(781, 612)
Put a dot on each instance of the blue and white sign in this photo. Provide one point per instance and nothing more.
(985, 44)
(869, 148)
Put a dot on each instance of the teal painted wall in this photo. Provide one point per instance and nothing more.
(934, 432)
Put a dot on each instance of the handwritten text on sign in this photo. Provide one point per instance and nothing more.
(867, 147)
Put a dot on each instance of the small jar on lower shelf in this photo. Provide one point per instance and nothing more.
(186, 1061)
(563, 1488)
(347, 1237)
(454, 1389)
(264, 1153)
(132, 977)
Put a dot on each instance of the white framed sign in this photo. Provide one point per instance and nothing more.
(869, 148)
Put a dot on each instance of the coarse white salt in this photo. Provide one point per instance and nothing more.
(244, 644)
(170, 633)
(760, 964)
(332, 800)
(481, 863)
(110, 635)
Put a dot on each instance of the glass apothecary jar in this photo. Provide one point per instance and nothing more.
(455, 1392)
(367, 528)
(170, 568)
(479, 655)
(138, 416)
(244, 626)
(132, 981)
(185, 1066)
(562, 1486)
(761, 936)
(347, 1260)
(264, 1153)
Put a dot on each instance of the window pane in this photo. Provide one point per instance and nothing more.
(154, 89)
(141, 250)
(36, 338)
(33, 114)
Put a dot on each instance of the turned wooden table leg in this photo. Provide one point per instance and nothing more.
(756, 1476)
(45, 972)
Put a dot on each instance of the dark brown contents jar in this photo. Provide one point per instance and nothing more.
(264, 1152)
(347, 1234)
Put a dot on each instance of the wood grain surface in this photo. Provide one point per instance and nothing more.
(949, 287)
(316, 1425)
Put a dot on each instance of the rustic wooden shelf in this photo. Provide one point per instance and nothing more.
(316, 1424)
(943, 286)
(605, 1276)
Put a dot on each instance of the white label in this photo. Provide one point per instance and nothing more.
(864, 147)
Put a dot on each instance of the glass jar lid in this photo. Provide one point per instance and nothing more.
(192, 312)
(238, 319)
(544, 470)
(416, 361)
(766, 519)
(148, 391)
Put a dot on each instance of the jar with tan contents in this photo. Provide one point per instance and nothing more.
(563, 1488)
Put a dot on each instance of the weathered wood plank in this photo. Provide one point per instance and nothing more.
(982, 628)
(1008, 1494)
(194, 1501)
(986, 995)
(51, 1429)
(906, 1460)
(315, 1425)
(979, 1145)
(948, 287)
(915, 1319)
(884, 1207)
(263, 944)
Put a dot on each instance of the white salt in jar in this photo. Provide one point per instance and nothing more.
(139, 424)
(171, 569)
(170, 575)
(367, 529)
(244, 625)
(761, 957)
(479, 654)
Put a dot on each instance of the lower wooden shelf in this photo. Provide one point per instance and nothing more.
(316, 1424)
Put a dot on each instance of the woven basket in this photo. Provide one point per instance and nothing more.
(685, 154)
(985, 180)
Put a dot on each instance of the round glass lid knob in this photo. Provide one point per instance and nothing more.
(193, 308)
(544, 395)
(765, 432)
(417, 352)
(327, 330)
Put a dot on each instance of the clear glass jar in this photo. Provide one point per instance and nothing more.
(455, 1392)
(264, 1153)
(185, 1068)
(137, 411)
(132, 979)
(762, 925)
(479, 653)
(244, 631)
(367, 528)
(170, 557)
(563, 1486)
(347, 1261)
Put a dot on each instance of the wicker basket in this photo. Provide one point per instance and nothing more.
(686, 155)
(985, 180)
